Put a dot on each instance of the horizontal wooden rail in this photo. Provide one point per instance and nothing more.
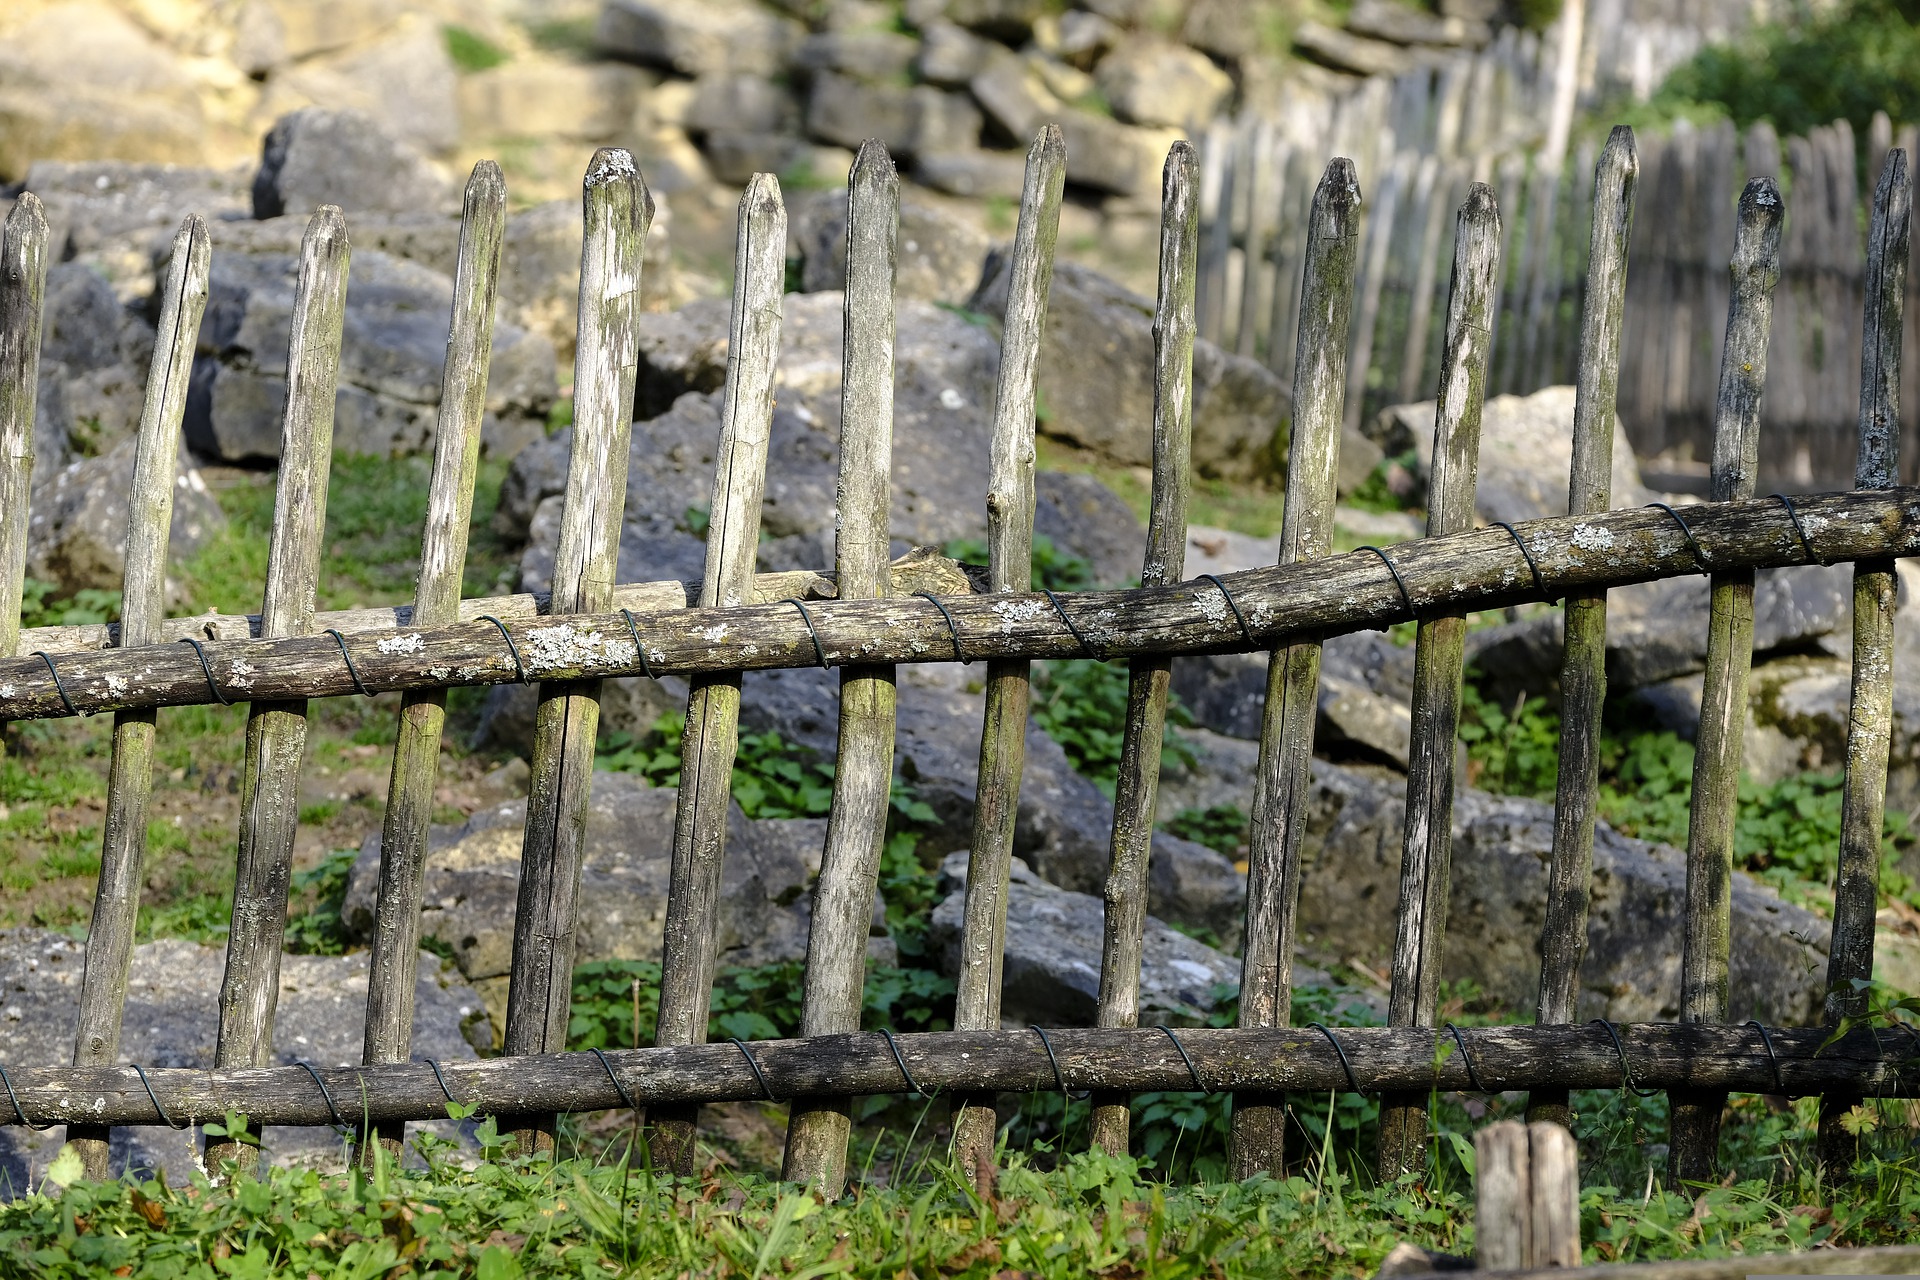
(1483, 569)
(1372, 1059)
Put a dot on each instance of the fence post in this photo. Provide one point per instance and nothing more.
(116, 901)
(1583, 669)
(817, 1131)
(1856, 890)
(1003, 732)
(1137, 787)
(1283, 785)
(1527, 1197)
(618, 211)
(711, 738)
(1439, 658)
(277, 731)
(394, 963)
(1723, 708)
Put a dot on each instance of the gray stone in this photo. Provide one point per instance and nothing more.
(977, 174)
(944, 122)
(1365, 687)
(1107, 155)
(315, 156)
(938, 253)
(1157, 82)
(392, 357)
(77, 533)
(97, 352)
(740, 103)
(950, 55)
(1012, 94)
(846, 111)
(1096, 379)
(695, 39)
(1347, 52)
(92, 205)
(1385, 20)
(867, 55)
(736, 157)
(1077, 513)
(1085, 36)
(1009, 20)
(172, 1018)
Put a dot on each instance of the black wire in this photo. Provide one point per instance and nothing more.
(1398, 581)
(1473, 1077)
(442, 1080)
(57, 686)
(1085, 650)
(37, 1128)
(1798, 528)
(331, 1109)
(901, 1062)
(1766, 1038)
(1245, 632)
(1626, 1072)
(639, 649)
(1345, 1066)
(1058, 1079)
(1198, 1087)
(154, 1098)
(747, 1053)
(617, 1086)
(519, 663)
(959, 655)
(1539, 583)
(358, 683)
(207, 668)
(1698, 554)
(807, 618)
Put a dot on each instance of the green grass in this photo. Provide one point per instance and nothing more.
(470, 50)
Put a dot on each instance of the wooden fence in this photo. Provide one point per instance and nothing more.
(877, 618)
(1421, 140)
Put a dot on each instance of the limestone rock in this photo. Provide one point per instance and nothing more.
(950, 55)
(1348, 52)
(867, 55)
(1157, 82)
(846, 111)
(583, 102)
(732, 102)
(77, 532)
(271, 33)
(973, 173)
(938, 252)
(314, 156)
(1385, 20)
(694, 39)
(98, 205)
(404, 78)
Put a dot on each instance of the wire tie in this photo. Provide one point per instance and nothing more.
(441, 1080)
(747, 1053)
(1766, 1038)
(11, 1097)
(207, 668)
(1626, 1072)
(154, 1098)
(1198, 1087)
(1698, 554)
(1245, 632)
(1398, 581)
(57, 686)
(1473, 1077)
(346, 657)
(1345, 1066)
(1539, 583)
(807, 618)
(617, 1086)
(518, 662)
(1798, 528)
(1085, 650)
(1058, 1079)
(901, 1062)
(640, 650)
(958, 654)
(331, 1109)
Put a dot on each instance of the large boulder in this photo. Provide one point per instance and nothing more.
(98, 350)
(1096, 379)
(172, 1019)
(695, 39)
(1157, 82)
(316, 156)
(105, 205)
(405, 78)
(77, 533)
(938, 252)
(393, 354)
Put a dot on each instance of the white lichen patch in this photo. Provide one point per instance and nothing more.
(564, 646)
(439, 673)
(6, 691)
(1593, 537)
(116, 685)
(1213, 605)
(1014, 612)
(714, 634)
(402, 644)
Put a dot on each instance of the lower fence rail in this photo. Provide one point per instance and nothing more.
(1595, 1055)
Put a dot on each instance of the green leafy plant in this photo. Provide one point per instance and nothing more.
(1082, 705)
(470, 50)
(1222, 828)
(42, 606)
(319, 931)
(1053, 569)
(1513, 750)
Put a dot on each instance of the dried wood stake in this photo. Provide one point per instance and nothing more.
(1856, 892)
(1723, 707)
(1003, 734)
(712, 735)
(1283, 786)
(116, 902)
(1426, 849)
(618, 210)
(1527, 1197)
(23, 286)
(394, 963)
(817, 1132)
(1583, 664)
(1137, 789)
(277, 731)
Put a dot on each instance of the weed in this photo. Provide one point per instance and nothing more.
(1082, 705)
(1222, 828)
(1053, 569)
(470, 50)
(41, 607)
(319, 931)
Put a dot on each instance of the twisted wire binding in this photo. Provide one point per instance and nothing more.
(206, 669)
(14, 1099)
(1192, 1072)
(1054, 1062)
(346, 657)
(1539, 583)
(441, 1081)
(1085, 650)
(58, 688)
(1805, 542)
(1626, 1072)
(640, 650)
(959, 655)
(901, 1062)
(1246, 633)
(1766, 1038)
(807, 618)
(747, 1053)
(1338, 1049)
(328, 1097)
(1698, 554)
(519, 663)
(617, 1086)
(154, 1098)
(1473, 1077)
(1398, 581)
